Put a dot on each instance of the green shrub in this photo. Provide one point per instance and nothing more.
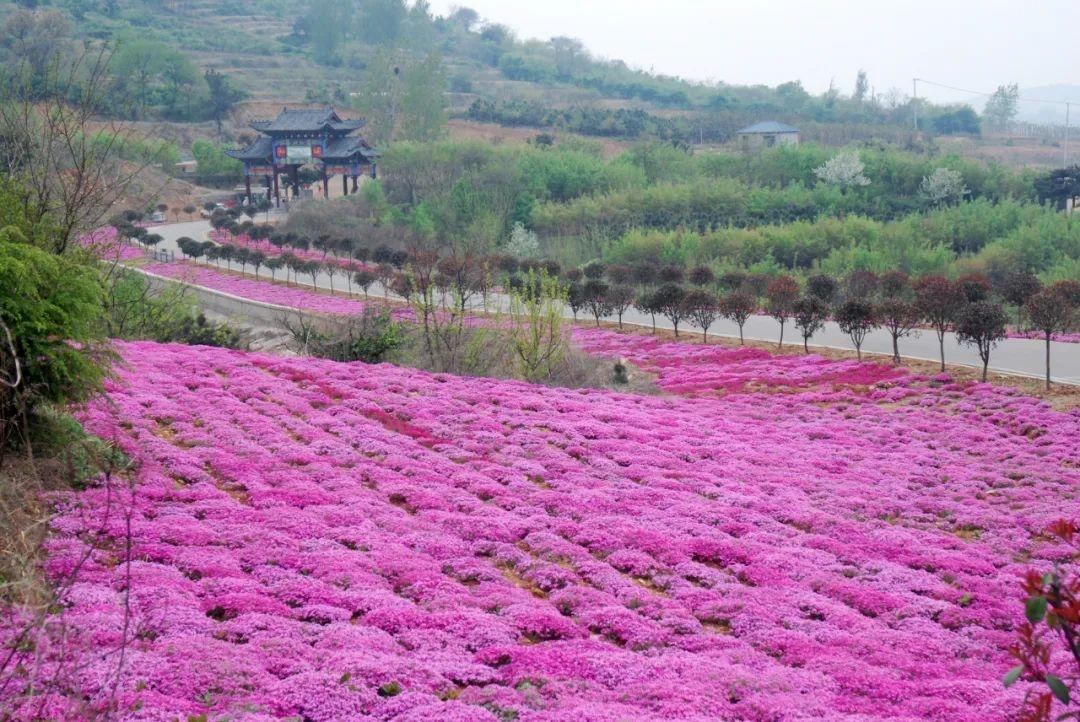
(51, 306)
(369, 337)
(134, 310)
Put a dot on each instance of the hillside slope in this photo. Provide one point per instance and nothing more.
(371, 542)
(325, 52)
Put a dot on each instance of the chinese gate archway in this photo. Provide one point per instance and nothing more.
(301, 137)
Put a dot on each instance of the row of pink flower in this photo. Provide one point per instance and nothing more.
(678, 367)
(106, 244)
(695, 368)
(1059, 337)
(242, 240)
(344, 541)
(262, 291)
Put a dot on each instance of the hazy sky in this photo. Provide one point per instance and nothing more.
(966, 43)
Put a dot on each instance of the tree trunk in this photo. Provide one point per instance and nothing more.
(1048, 361)
(858, 351)
(704, 335)
(741, 342)
(941, 346)
(781, 344)
(895, 349)
(805, 345)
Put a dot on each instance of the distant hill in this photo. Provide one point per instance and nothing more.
(288, 52)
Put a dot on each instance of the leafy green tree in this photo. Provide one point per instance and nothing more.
(702, 307)
(213, 166)
(669, 300)
(781, 295)
(981, 324)
(1017, 287)
(466, 17)
(186, 90)
(856, 317)
(1050, 311)
(738, 306)
(32, 42)
(536, 325)
(900, 317)
(1001, 107)
(223, 95)
(810, 314)
(50, 333)
(382, 21)
(1058, 186)
(645, 302)
(327, 23)
(569, 54)
(595, 294)
(423, 104)
(960, 120)
(862, 87)
(134, 310)
(382, 94)
(620, 298)
(137, 67)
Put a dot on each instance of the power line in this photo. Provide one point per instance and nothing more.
(988, 95)
(1067, 103)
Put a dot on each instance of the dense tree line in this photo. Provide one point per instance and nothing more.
(147, 78)
(983, 236)
(769, 212)
(974, 306)
(587, 120)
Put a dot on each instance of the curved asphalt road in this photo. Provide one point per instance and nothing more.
(1022, 357)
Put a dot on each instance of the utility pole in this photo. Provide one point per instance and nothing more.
(915, 103)
(1066, 163)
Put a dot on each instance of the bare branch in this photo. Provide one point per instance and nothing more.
(13, 379)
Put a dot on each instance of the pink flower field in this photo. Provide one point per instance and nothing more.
(1059, 337)
(690, 368)
(105, 243)
(256, 290)
(243, 240)
(323, 541)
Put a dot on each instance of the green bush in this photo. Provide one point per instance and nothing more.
(133, 310)
(214, 167)
(51, 305)
(369, 337)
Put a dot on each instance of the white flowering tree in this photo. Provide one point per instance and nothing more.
(943, 186)
(523, 243)
(845, 171)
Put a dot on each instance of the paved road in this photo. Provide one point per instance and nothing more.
(1022, 357)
